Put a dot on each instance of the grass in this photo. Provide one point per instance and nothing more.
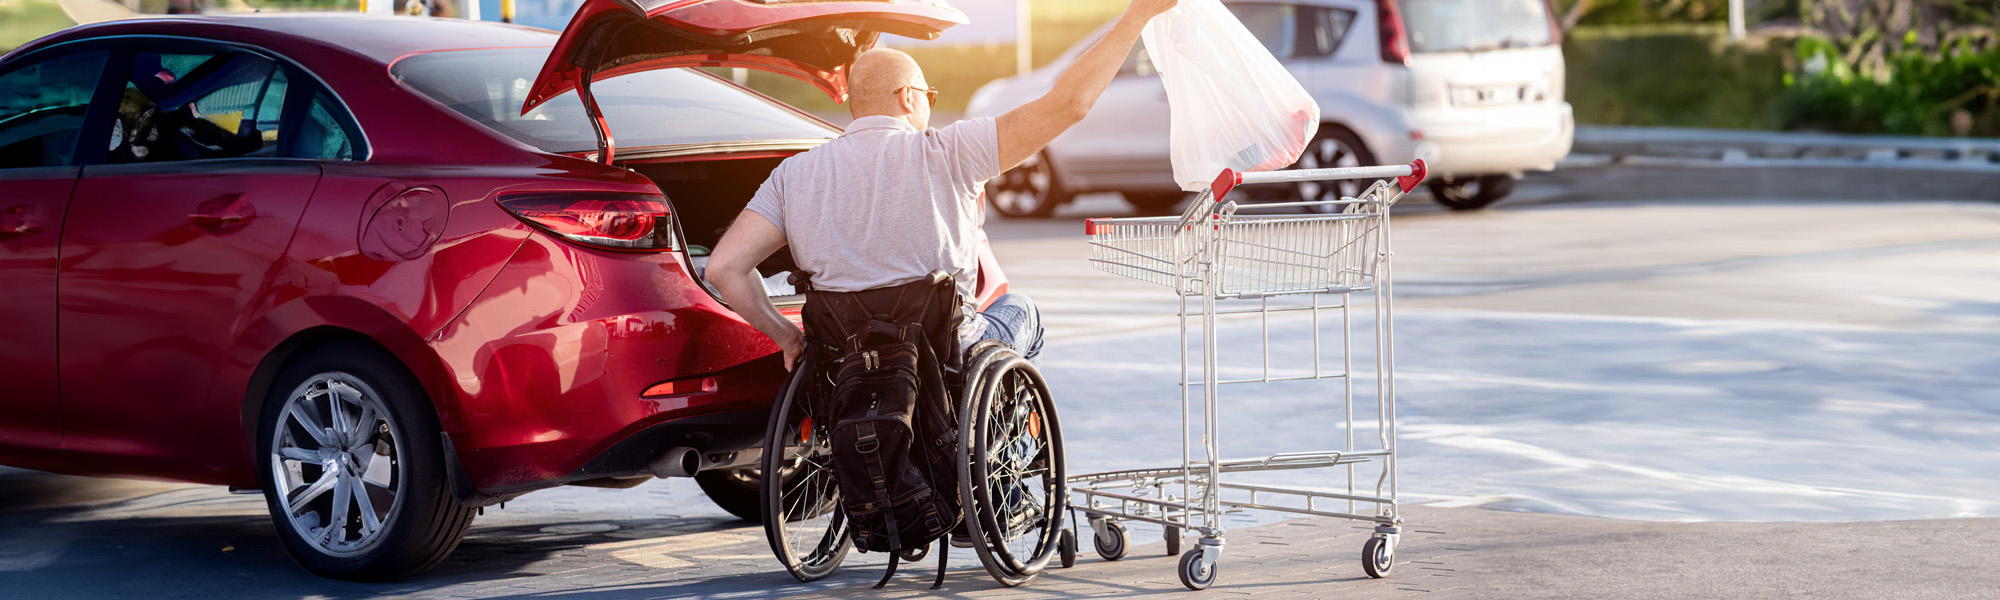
(23, 21)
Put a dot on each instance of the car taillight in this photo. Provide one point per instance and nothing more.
(608, 220)
(680, 387)
(1389, 28)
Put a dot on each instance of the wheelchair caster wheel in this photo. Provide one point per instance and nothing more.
(1193, 575)
(1112, 541)
(910, 555)
(1173, 536)
(1378, 557)
(1068, 548)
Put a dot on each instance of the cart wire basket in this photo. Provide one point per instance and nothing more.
(1220, 263)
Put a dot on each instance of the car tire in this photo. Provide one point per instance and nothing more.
(1030, 190)
(1471, 193)
(375, 455)
(1154, 203)
(735, 490)
(1333, 147)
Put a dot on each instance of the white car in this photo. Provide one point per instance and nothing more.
(1473, 87)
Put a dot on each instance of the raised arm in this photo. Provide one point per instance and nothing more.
(1026, 129)
(732, 269)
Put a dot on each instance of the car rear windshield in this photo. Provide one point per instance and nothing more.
(650, 108)
(1475, 25)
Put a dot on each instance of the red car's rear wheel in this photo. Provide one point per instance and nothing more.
(352, 469)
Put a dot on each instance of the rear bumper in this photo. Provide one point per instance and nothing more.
(550, 367)
(628, 457)
(1498, 140)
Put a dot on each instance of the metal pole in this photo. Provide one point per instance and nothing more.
(1388, 287)
(1187, 475)
(1347, 382)
(1211, 279)
(1736, 20)
(1024, 39)
(506, 11)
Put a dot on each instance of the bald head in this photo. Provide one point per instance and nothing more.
(873, 82)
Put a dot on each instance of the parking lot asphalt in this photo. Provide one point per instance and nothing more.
(1605, 398)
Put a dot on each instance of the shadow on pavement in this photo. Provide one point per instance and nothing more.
(79, 537)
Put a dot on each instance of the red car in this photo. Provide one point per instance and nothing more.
(385, 270)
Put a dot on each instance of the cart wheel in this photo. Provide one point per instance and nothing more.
(910, 555)
(1112, 541)
(1377, 557)
(1173, 535)
(1192, 575)
(1069, 548)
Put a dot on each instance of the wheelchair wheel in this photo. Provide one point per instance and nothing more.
(801, 505)
(1011, 475)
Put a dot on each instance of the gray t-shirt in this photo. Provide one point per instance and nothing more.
(885, 204)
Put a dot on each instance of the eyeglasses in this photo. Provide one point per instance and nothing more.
(930, 93)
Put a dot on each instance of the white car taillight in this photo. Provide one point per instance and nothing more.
(1389, 29)
(607, 220)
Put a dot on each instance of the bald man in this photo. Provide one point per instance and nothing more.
(891, 199)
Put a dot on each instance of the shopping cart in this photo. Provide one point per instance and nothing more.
(1236, 264)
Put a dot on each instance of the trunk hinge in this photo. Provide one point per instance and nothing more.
(605, 145)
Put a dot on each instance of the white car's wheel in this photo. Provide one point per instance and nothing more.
(1471, 193)
(1028, 191)
(1333, 147)
(353, 469)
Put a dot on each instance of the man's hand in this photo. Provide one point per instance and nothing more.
(732, 269)
(1145, 10)
(1026, 129)
(792, 346)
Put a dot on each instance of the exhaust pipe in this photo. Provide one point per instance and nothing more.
(680, 461)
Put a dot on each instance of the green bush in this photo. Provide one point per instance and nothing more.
(1917, 93)
(1671, 75)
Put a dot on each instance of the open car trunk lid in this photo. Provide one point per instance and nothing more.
(813, 40)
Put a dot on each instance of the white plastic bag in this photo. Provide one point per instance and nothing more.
(1232, 105)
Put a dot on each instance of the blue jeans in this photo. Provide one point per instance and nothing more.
(1014, 321)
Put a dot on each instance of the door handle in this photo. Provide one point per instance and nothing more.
(237, 211)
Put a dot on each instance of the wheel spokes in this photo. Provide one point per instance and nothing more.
(297, 503)
(311, 425)
(343, 496)
(370, 523)
(352, 463)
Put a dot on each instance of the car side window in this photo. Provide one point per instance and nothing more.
(42, 107)
(1321, 29)
(191, 106)
(1274, 24)
(322, 134)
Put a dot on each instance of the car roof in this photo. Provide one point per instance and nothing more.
(377, 37)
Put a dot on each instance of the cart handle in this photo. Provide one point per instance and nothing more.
(1407, 176)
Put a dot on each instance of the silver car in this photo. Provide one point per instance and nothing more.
(1473, 87)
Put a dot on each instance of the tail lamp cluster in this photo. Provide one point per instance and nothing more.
(604, 220)
(1389, 29)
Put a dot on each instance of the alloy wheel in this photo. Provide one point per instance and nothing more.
(336, 461)
(1328, 151)
(1027, 190)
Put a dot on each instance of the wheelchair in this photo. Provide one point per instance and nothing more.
(1010, 461)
